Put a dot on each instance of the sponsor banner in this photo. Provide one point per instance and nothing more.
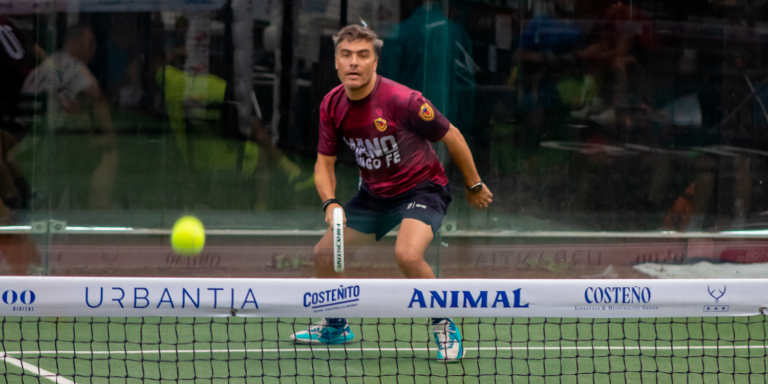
(527, 257)
(161, 260)
(379, 298)
(497, 257)
(69, 259)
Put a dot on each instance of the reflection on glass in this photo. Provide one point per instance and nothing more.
(78, 110)
(593, 124)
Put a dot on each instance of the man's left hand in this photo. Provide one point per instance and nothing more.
(480, 200)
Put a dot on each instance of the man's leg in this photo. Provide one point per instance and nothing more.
(412, 241)
(353, 240)
(332, 330)
(323, 254)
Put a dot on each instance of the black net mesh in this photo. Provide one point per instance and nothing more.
(499, 350)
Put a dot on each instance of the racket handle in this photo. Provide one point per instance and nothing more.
(338, 240)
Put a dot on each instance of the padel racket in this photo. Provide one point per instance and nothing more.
(338, 239)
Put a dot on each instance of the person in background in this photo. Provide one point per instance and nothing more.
(546, 61)
(75, 97)
(196, 104)
(120, 62)
(435, 60)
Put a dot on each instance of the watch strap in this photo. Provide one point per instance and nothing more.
(472, 188)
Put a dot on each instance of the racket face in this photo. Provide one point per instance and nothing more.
(338, 240)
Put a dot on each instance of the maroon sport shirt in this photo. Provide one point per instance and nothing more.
(389, 130)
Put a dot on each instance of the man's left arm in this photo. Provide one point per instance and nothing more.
(101, 111)
(462, 156)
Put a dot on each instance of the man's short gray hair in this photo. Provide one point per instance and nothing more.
(358, 32)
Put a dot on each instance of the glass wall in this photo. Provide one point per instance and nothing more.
(611, 134)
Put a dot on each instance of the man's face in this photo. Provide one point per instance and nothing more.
(83, 47)
(356, 63)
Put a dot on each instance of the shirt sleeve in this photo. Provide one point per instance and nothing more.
(425, 120)
(328, 145)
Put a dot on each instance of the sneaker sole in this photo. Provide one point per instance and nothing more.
(318, 341)
(456, 360)
(340, 341)
(305, 341)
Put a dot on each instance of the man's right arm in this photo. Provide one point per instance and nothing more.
(325, 180)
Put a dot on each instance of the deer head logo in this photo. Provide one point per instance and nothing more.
(712, 293)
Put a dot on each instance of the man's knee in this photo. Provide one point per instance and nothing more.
(407, 258)
(323, 254)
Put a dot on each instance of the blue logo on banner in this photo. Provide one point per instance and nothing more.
(467, 299)
(336, 298)
(139, 297)
(24, 297)
(716, 294)
(21, 301)
(617, 295)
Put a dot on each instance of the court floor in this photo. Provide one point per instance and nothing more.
(237, 350)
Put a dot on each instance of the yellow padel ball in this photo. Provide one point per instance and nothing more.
(188, 236)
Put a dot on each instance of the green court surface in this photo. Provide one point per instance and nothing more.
(499, 350)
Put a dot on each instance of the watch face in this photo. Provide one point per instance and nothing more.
(476, 188)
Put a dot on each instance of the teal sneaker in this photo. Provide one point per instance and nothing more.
(321, 333)
(448, 339)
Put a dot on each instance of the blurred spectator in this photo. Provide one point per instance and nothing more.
(433, 54)
(76, 100)
(607, 60)
(199, 116)
(120, 61)
(679, 215)
(546, 58)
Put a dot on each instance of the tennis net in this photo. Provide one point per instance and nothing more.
(209, 342)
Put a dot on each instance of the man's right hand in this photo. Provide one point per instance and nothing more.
(329, 214)
(480, 200)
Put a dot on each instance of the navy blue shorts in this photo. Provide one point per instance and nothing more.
(369, 214)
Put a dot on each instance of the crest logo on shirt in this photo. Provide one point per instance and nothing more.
(381, 124)
(426, 113)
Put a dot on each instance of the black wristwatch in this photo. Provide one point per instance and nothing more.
(475, 188)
